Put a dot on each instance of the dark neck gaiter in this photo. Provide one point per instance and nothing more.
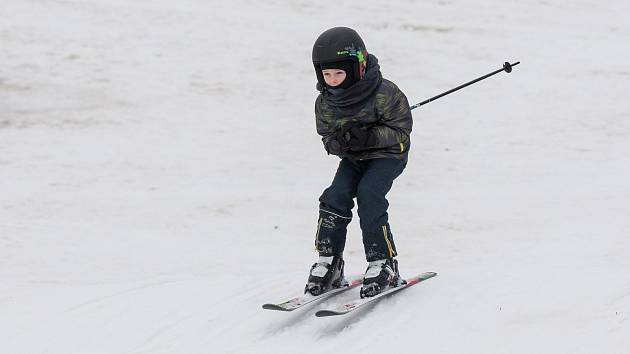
(359, 91)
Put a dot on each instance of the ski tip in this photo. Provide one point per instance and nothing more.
(275, 307)
(419, 278)
(427, 275)
(326, 313)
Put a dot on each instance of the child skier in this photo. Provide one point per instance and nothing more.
(365, 120)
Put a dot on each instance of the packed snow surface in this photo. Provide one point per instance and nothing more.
(160, 170)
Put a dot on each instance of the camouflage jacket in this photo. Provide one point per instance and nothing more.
(385, 112)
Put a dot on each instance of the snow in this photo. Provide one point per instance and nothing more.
(160, 169)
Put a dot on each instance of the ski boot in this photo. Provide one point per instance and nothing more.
(379, 276)
(325, 275)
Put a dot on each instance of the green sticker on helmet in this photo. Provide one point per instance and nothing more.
(360, 55)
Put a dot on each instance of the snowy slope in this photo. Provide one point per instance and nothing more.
(160, 169)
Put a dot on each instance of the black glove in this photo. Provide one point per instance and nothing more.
(355, 138)
(334, 147)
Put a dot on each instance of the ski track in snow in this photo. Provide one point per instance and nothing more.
(160, 169)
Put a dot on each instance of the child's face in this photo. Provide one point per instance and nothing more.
(334, 77)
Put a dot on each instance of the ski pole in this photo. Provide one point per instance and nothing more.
(507, 67)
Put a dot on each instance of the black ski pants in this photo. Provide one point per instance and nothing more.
(368, 181)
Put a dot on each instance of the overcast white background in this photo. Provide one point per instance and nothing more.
(160, 169)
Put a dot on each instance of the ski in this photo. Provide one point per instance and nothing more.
(353, 305)
(304, 299)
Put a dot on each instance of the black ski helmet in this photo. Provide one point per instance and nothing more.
(340, 44)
